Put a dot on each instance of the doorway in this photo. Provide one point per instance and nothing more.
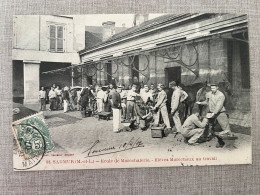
(173, 74)
(109, 72)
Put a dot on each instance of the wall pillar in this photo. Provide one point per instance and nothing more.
(31, 81)
(160, 72)
(152, 69)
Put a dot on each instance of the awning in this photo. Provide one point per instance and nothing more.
(152, 48)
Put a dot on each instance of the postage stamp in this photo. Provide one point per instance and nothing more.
(32, 139)
(131, 90)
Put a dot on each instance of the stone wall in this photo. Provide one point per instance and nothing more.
(213, 65)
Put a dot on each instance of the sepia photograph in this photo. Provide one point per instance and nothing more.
(130, 90)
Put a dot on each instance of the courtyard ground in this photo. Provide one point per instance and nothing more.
(73, 134)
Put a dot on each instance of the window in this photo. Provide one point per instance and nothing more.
(56, 38)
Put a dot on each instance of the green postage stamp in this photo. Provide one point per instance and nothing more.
(32, 136)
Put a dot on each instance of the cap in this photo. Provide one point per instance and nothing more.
(160, 85)
(213, 84)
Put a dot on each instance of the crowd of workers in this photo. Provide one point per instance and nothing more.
(145, 105)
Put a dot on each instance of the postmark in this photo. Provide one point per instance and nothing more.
(33, 140)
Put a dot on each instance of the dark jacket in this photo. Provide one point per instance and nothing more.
(116, 100)
(84, 97)
(65, 95)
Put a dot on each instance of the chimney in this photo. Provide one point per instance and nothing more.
(140, 18)
(108, 30)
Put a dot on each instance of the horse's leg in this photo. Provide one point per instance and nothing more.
(186, 110)
(191, 108)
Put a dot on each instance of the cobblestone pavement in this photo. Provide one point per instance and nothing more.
(71, 134)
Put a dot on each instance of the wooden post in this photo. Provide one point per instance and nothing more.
(72, 75)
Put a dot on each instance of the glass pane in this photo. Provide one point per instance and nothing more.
(52, 31)
(52, 44)
(59, 44)
(60, 32)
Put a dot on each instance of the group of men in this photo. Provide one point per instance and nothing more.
(192, 128)
(57, 97)
(134, 104)
(146, 104)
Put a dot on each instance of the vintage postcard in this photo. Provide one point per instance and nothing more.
(130, 90)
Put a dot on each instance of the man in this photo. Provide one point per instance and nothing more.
(182, 105)
(52, 97)
(176, 97)
(169, 92)
(144, 114)
(142, 88)
(123, 96)
(193, 128)
(78, 99)
(84, 101)
(59, 97)
(131, 95)
(42, 99)
(110, 93)
(146, 95)
(184, 95)
(107, 105)
(100, 99)
(215, 100)
(93, 96)
(161, 107)
(116, 107)
(66, 99)
(152, 90)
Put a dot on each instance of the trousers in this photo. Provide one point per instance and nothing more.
(223, 121)
(193, 135)
(123, 110)
(66, 105)
(163, 111)
(116, 119)
(59, 102)
(53, 104)
(177, 121)
(100, 105)
(43, 104)
(131, 113)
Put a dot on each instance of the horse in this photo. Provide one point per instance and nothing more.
(192, 90)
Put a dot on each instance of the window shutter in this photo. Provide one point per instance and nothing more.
(52, 38)
(60, 38)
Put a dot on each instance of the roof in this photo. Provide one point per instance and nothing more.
(156, 22)
(91, 39)
(97, 30)
(165, 31)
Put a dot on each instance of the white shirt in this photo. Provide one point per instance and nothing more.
(146, 95)
(131, 95)
(42, 94)
(142, 90)
(101, 94)
(123, 94)
(58, 91)
(52, 94)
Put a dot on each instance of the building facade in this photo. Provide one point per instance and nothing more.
(187, 48)
(41, 44)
